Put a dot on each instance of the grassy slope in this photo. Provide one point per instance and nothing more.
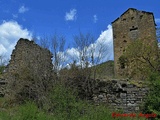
(105, 70)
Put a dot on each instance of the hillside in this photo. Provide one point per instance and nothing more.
(105, 70)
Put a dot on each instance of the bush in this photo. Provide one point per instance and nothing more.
(64, 105)
(152, 103)
(27, 111)
(67, 106)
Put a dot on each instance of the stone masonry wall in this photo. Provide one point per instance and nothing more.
(121, 95)
(116, 94)
(29, 70)
(130, 26)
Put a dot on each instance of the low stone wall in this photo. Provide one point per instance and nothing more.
(116, 94)
(121, 95)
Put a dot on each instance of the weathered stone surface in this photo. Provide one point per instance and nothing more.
(2, 87)
(130, 26)
(116, 93)
(29, 70)
(128, 100)
(123, 95)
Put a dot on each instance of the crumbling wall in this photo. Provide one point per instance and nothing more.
(29, 75)
(121, 95)
(116, 94)
(29, 71)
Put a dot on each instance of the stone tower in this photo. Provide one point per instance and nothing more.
(130, 26)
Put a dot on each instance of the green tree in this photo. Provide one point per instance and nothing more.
(142, 58)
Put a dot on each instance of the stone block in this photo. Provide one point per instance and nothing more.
(130, 104)
(123, 95)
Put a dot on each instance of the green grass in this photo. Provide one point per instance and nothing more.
(30, 111)
(104, 70)
(63, 105)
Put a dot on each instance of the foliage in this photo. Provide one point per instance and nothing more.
(104, 70)
(64, 105)
(1, 69)
(152, 103)
(143, 58)
(27, 111)
(26, 85)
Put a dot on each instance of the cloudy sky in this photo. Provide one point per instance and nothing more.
(67, 17)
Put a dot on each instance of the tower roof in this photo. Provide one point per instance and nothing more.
(133, 9)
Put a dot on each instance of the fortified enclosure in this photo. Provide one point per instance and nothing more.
(29, 75)
(130, 26)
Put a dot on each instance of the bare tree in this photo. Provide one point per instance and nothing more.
(82, 43)
(57, 48)
(34, 37)
(90, 53)
(97, 53)
(3, 60)
(158, 34)
(56, 45)
(45, 42)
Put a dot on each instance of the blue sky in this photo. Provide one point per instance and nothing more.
(67, 17)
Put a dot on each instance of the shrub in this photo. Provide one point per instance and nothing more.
(27, 111)
(152, 103)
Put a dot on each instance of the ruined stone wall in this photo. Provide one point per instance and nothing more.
(116, 94)
(31, 66)
(28, 56)
(130, 26)
(121, 95)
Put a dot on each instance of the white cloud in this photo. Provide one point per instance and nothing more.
(23, 9)
(159, 45)
(2, 49)
(70, 16)
(10, 32)
(157, 20)
(95, 18)
(105, 39)
(72, 54)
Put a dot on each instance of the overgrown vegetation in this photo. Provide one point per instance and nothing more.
(142, 58)
(152, 104)
(63, 105)
(65, 99)
(105, 70)
(2, 69)
(3, 61)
